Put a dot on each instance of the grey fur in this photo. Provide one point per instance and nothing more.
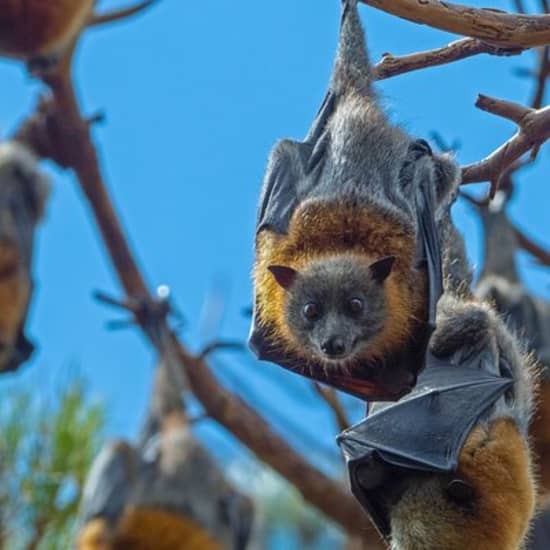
(366, 161)
(331, 284)
(170, 471)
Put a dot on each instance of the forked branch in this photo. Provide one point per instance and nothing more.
(533, 131)
(330, 397)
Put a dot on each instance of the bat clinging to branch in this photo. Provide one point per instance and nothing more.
(347, 270)
(40, 30)
(23, 193)
(166, 494)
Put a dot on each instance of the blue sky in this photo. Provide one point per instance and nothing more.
(195, 94)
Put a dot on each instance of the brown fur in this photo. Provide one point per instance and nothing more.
(495, 462)
(539, 431)
(95, 535)
(320, 229)
(147, 529)
(15, 288)
(33, 28)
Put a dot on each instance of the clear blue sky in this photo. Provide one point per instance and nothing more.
(195, 94)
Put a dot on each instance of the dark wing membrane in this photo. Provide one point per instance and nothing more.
(292, 172)
(109, 483)
(424, 431)
(431, 251)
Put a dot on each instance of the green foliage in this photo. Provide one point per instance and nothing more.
(45, 453)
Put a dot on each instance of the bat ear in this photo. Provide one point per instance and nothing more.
(284, 275)
(381, 269)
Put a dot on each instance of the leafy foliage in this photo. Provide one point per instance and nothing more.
(45, 454)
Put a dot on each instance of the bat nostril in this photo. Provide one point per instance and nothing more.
(334, 347)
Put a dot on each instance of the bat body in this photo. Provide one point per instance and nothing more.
(347, 270)
(31, 29)
(23, 193)
(166, 494)
(529, 316)
(449, 465)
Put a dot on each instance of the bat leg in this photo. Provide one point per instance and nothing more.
(464, 330)
(487, 503)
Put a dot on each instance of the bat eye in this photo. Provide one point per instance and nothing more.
(355, 306)
(312, 311)
(460, 492)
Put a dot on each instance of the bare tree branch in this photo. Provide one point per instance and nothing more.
(533, 131)
(220, 345)
(333, 401)
(119, 14)
(494, 26)
(460, 49)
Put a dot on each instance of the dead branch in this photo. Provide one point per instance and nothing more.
(119, 14)
(541, 254)
(490, 25)
(533, 131)
(333, 401)
(220, 345)
(391, 65)
(63, 135)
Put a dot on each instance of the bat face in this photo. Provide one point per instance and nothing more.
(34, 28)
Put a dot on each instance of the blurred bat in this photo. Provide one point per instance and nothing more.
(23, 193)
(166, 494)
(40, 29)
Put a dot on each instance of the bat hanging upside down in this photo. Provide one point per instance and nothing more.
(23, 193)
(40, 30)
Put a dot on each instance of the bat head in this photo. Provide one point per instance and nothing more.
(336, 305)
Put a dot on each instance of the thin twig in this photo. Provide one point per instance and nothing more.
(391, 65)
(330, 397)
(119, 14)
(541, 254)
(220, 345)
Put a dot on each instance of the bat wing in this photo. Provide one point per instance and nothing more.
(424, 431)
(293, 171)
(429, 252)
(109, 483)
